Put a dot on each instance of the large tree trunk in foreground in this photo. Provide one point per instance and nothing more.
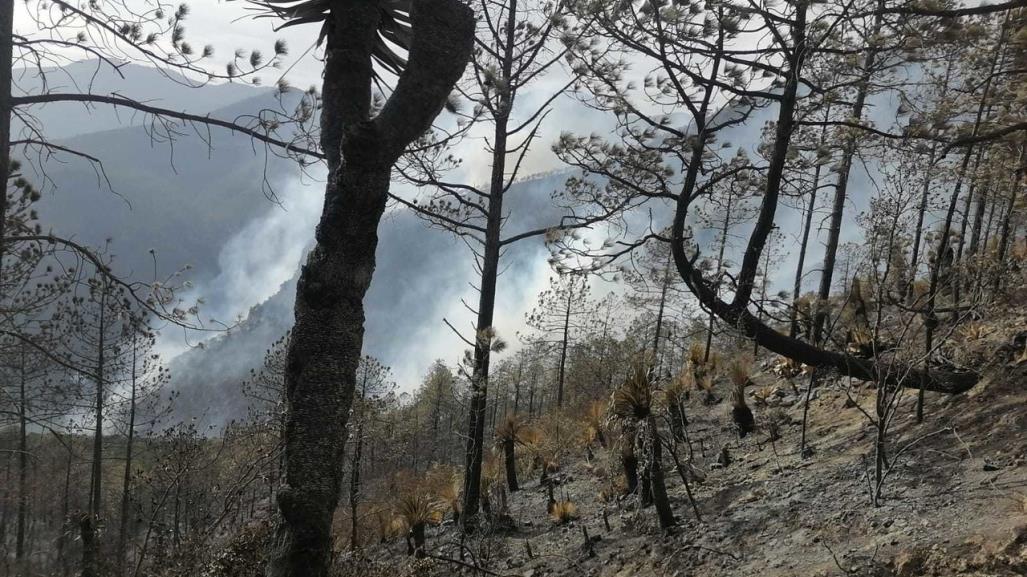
(326, 342)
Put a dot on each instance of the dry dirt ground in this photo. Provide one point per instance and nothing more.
(955, 502)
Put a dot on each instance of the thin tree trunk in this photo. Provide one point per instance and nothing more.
(664, 512)
(354, 486)
(6, 110)
(978, 222)
(65, 522)
(563, 348)
(95, 503)
(358, 452)
(665, 285)
(720, 265)
(126, 487)
(489, 276)
(944, 242)
(806, 227)
(1003, 242)
(510, 458)
(842, 184)
(23, 456)
(87, 532)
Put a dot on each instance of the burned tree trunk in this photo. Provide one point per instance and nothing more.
(630, 464)
(325, 344)
(510, 458)
(664, 512)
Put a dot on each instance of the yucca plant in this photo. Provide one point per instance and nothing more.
(417, 509)
(632, 405)
(508, 434)
(394, 30)
(633, 400)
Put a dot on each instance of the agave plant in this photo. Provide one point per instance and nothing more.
(394, 31)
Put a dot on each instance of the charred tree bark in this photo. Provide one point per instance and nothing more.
(90, 555)
(664, 512)
(1003, 241)
(510, 458)
(630, 464)
(326, 342)
(6, 108)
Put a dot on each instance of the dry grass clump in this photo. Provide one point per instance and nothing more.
(445, 483)
(676, 391)
(595, 414)
(789, 368)
(389, 526)
(701, 373)
(545, 443)
(563, 512)
(974, 331)
(491, 469)
(740, 370)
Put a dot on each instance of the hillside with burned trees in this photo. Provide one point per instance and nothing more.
(518, 288)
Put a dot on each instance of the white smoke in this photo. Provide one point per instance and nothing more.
(255, 262)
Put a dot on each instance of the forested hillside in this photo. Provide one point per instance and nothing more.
(518, 287)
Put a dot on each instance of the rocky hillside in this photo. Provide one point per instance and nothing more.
(954, 504)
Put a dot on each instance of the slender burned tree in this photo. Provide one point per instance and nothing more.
(519, 47)
(361, 148)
